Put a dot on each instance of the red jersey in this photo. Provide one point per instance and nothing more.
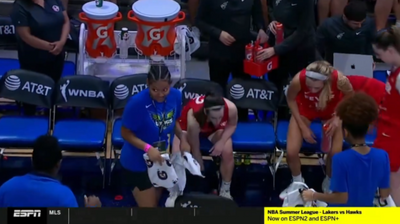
(308, 101)
(196, 105)
(388, 124)
(371, 86)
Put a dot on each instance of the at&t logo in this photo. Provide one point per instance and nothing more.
(12, 82)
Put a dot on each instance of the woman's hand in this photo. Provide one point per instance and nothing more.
(265, 54)
(262, 37)
(331, 125)
(92, 201)
(217, 149)
(226, 38)
(272, 27)
(308, 135)
(58, 46)
(155, 155)
(308, 195)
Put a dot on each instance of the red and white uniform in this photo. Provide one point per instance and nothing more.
(388, 125)
(308, 101)
(197, 105)
(370, 86)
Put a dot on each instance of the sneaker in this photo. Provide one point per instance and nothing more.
(290, 188)
(326, 184)
(226, 194)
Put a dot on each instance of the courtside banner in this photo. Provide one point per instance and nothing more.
(331, 214)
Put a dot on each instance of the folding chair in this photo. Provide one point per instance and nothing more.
(122, 89)
(21, 131)
(80, 135)
(255, 139)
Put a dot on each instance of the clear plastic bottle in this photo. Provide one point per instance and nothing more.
(326, 141)
(123, 43)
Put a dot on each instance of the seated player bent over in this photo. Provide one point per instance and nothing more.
(313, 95)
(370, 86)
(214, 117)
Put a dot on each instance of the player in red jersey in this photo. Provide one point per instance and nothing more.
(370, 86)
(214, 117)
(387, 48)
(313, 94)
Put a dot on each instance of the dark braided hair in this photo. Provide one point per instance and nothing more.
(157, 73)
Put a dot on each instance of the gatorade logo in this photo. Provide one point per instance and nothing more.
(269, 66)
(155, 34)
(101, 32)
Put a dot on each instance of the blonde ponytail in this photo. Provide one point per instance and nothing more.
(323, 68)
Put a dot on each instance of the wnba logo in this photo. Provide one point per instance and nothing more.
(101, 32)
(155, 34)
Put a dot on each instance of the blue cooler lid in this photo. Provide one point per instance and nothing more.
(109, 10)
(156, 10)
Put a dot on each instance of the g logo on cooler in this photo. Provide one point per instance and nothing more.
(155, 34)
(199, 100)
(101, 32)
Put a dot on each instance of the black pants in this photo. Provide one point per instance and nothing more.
(52, 68)
(219, 73)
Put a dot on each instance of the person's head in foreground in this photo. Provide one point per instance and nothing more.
(213, 109)
(159, 82)
(387, 45)
(47, 155)
(318, 79)
(355, 13)
(356, 173)
(357, 114)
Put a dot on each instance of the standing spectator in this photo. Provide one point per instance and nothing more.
(351, 33)
(297, 50)
(382, 11)
(42, 28)
(359, 171)
(228, 25)
(387, 48)
(41, 187)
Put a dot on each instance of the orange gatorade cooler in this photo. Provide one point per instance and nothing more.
(100, 17)
(156, 20)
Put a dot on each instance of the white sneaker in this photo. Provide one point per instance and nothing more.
(326, 184)
(289, 189)
(226, 194)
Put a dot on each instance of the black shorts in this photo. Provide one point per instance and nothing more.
(138, 180)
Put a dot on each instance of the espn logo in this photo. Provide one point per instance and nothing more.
(27, 213)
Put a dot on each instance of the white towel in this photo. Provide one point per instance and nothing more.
(192, 39)
(294, 199)
(181, 163)
(388, 202)
(163, 175)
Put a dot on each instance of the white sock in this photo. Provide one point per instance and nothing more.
(298, 178)
(328, 178)
(225, 186)
(398, 23)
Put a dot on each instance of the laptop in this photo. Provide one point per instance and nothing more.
(354, 64)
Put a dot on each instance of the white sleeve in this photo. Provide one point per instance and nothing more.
(398, 83)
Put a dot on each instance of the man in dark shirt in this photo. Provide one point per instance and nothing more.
(41, 188)
(227, 22)
(351, 33)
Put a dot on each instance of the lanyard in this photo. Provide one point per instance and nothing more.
(162, 122)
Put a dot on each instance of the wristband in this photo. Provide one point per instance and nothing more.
(146, 148)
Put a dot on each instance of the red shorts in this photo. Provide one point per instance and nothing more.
(312, 114)
(391, 146)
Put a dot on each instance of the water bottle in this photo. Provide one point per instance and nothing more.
(279, 33)
(123, 43)
(326, 141)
